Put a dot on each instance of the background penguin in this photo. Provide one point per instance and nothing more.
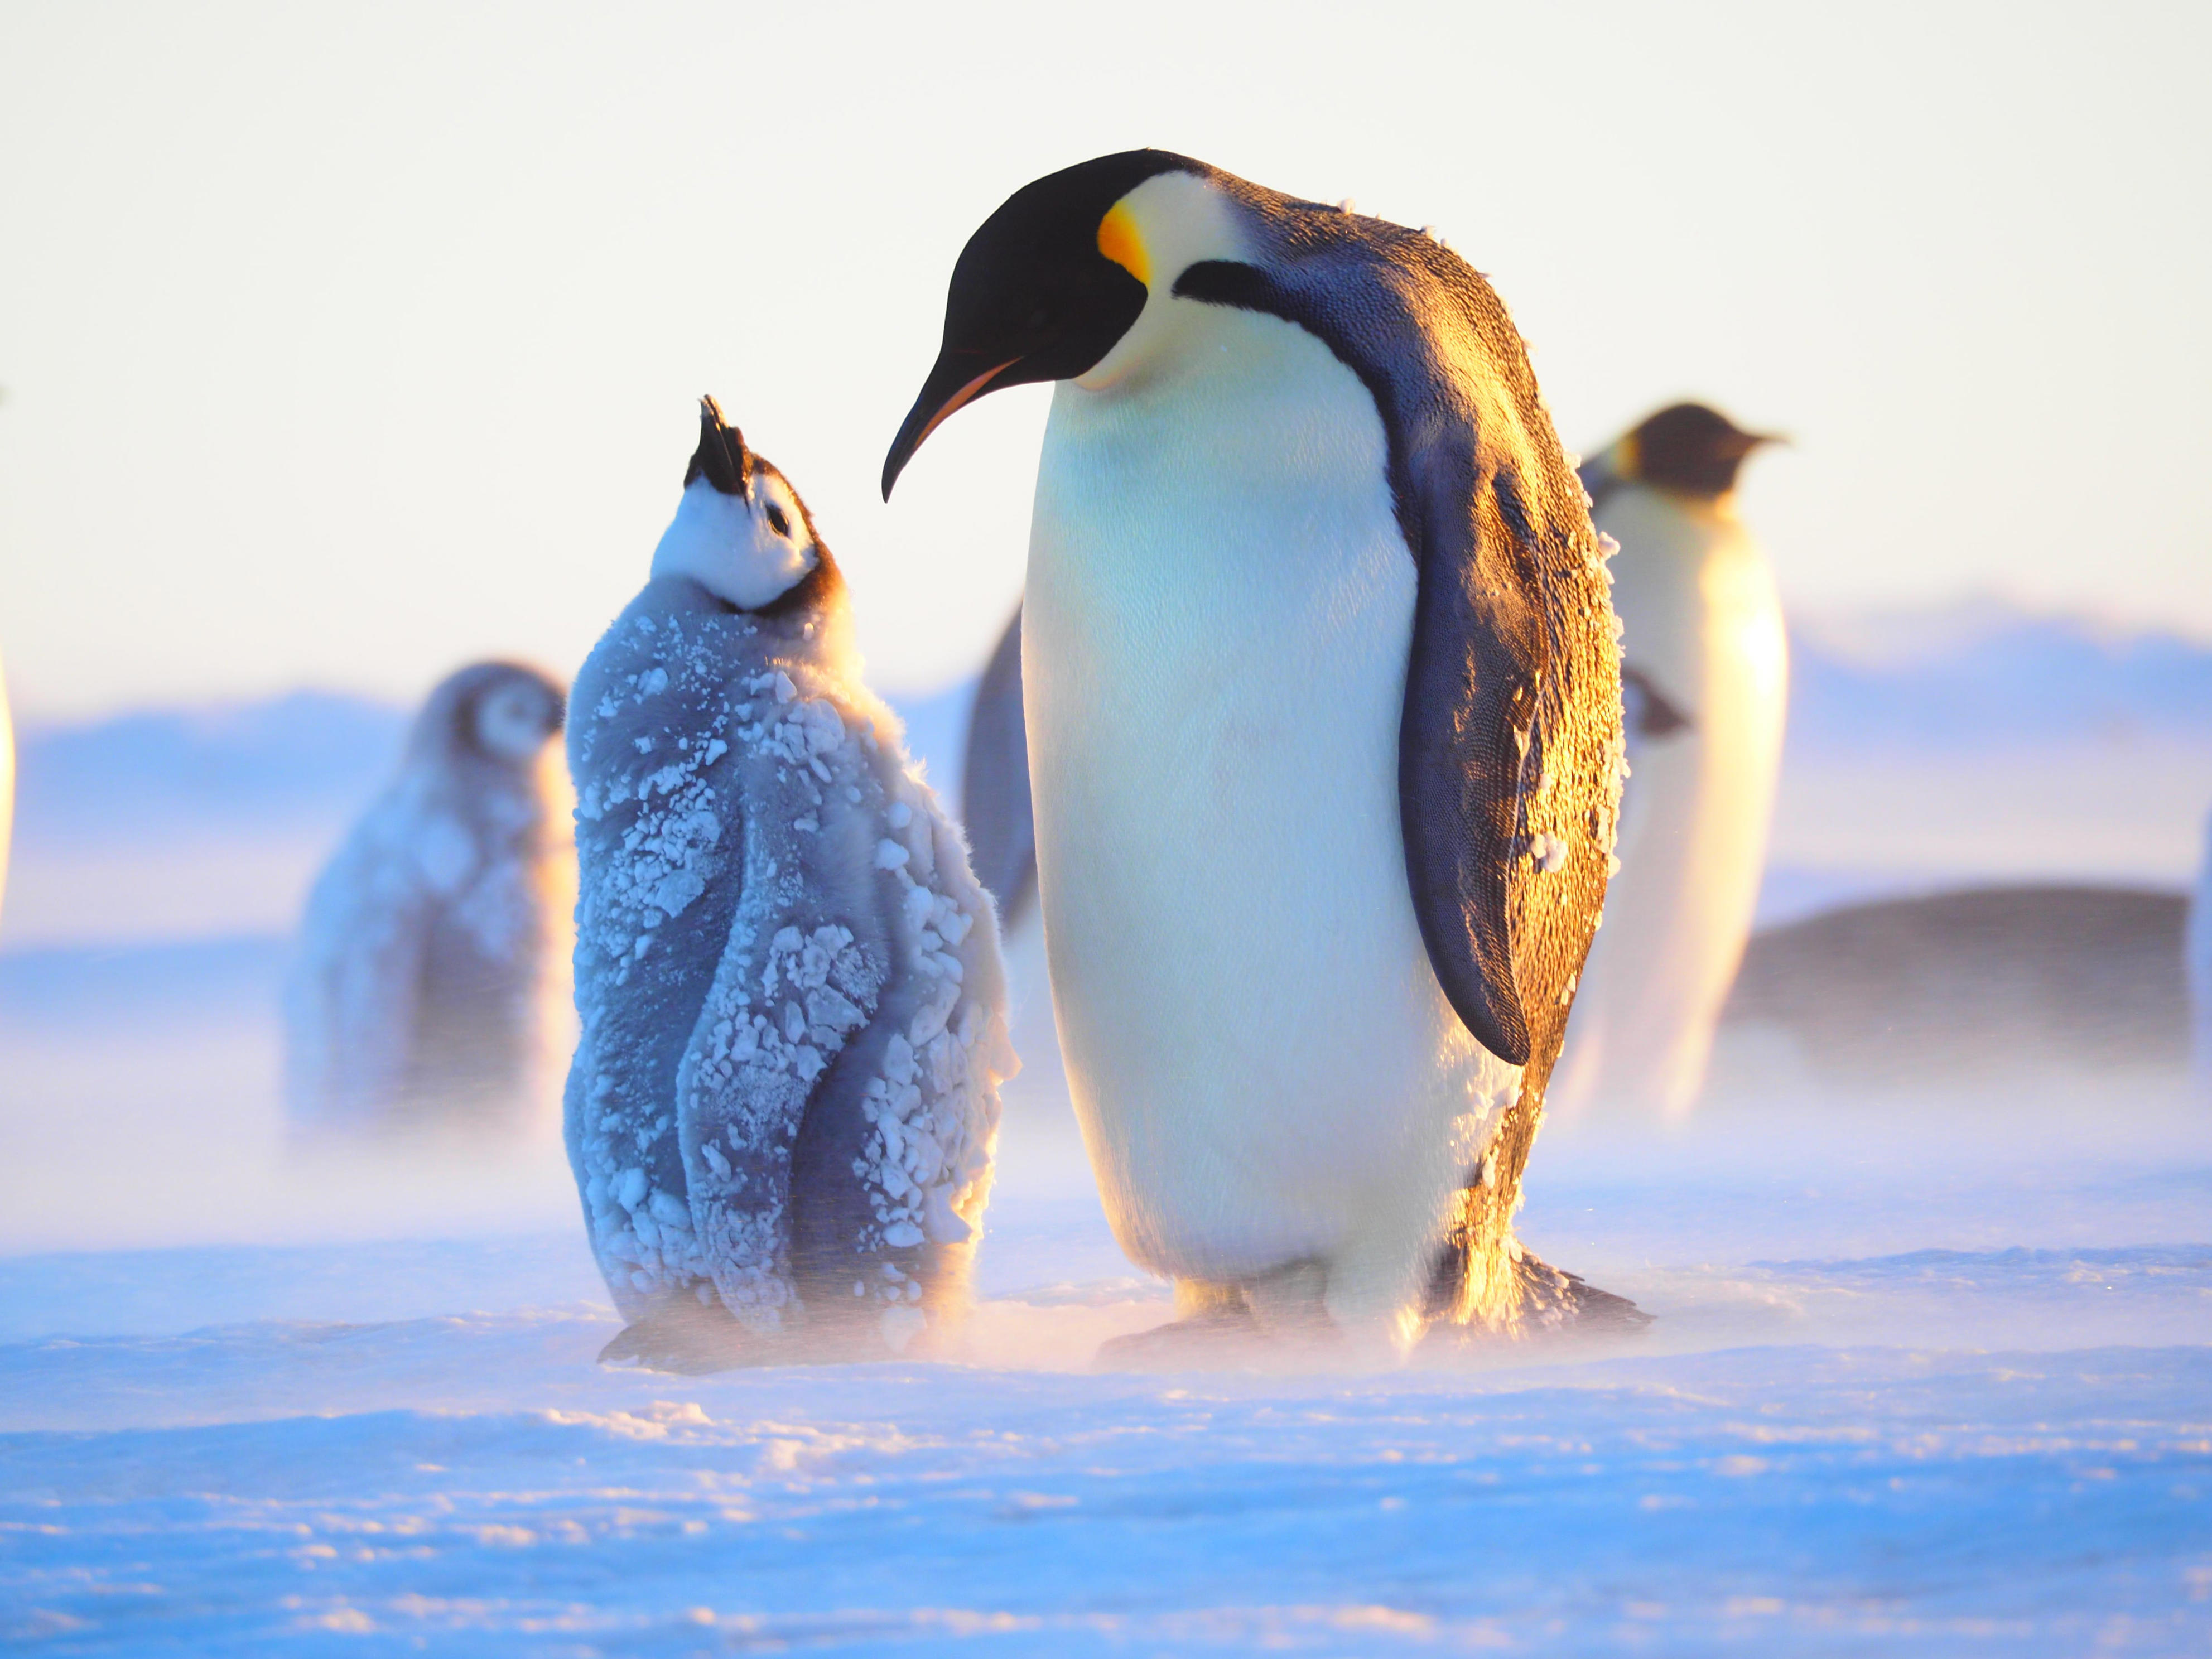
(1704, 670)
(995, 784)
(425, 979)
(2032, 988)
(783, 1103)
(1323, 713)
(2196, 966)
(994, 808)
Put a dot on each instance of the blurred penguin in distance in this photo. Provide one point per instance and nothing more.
(426, 970)
(2196, 956)
(995, 810)
(1704, 668)
(995, 784)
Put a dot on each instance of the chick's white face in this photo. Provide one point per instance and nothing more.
(750, 550)
(513, 722)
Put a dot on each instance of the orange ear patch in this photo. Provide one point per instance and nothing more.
(1118, 240)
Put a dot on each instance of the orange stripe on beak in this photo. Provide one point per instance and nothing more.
(962, 398)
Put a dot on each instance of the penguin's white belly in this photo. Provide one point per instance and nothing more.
(1218, 613)
(1702, 619)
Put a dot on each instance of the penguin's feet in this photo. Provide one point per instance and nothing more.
(1277, 1318)
(1219, 1336)
(1552, 1299)
(1546, 1303)
(683, 1339)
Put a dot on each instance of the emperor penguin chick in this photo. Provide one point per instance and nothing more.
(784, 1103)
(1322, 709)
(423, 990)
(1705, 670)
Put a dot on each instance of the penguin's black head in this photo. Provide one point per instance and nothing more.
(1688, 448)
(1042, 292)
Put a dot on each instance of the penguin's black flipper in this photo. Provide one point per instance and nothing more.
(1510, 730)
(1646, 710)
(995, 782)
(1465, 741)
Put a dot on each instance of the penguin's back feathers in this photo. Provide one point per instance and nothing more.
(1510, 744)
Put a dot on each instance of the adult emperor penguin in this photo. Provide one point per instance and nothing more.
(424, 989)
(1324, 736)
(1704, 668)
(783, 1104)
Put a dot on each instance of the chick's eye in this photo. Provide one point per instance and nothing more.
(777, 521)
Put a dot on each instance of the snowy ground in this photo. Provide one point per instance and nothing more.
(1928, 1375)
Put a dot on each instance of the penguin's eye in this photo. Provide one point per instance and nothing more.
(777, 521)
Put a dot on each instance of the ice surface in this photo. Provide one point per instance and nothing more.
(1931, 1380)
(474, 1484)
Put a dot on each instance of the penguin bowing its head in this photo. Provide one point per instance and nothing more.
(1323, 712)
(784, 1101)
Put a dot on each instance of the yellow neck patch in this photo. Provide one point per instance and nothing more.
(1118, 240)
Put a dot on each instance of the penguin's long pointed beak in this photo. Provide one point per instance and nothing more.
(1742, 443)
(953, 383)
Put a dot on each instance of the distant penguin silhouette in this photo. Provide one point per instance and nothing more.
(994, 806)
(2196, 955)
(995, 784)
(419, 992)
(783, 1106)
(1323, 710)
(2018, 985)
(1704, 664)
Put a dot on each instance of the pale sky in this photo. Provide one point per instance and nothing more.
(342, 343)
